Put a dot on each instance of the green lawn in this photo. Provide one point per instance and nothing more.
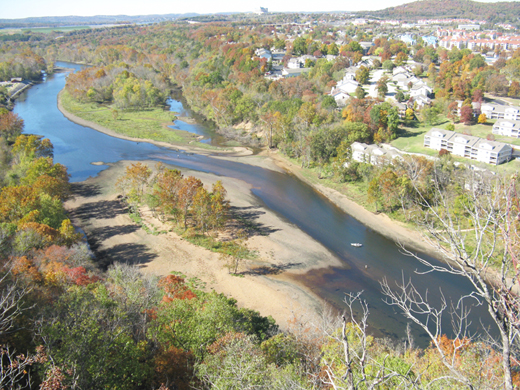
(411, 139)
(147, 124)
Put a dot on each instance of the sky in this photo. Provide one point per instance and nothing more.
(14, 9)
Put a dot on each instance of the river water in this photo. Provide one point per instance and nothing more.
(77, 147)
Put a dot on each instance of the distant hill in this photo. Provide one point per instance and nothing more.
(461, 9)
(56, 21)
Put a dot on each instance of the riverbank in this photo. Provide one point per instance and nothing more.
(230, 151)
(263, 284)
(379, 222)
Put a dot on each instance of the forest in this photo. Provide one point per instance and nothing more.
(459, 9)
(66, 323)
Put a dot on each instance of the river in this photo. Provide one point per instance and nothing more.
(77, 147)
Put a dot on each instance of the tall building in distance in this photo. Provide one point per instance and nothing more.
(261, 11)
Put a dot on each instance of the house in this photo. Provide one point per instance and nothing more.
(366, 46)
(420, 90)
(474, 105)
(350, 73)
(408, 39)
(407, 81)
(401, 109)
(507, 128)
(421, 101)
(347, 86)
(264, 53)
(340, 97)
(467, 146)
(400, 69)
(359, 150)
(277, 55)
(495, 111)
(294, 63)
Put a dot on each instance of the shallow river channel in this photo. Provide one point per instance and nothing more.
(77, 147)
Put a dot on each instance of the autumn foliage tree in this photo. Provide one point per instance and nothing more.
(183, 198)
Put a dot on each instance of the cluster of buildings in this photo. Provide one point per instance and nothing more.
(476, 40)
(402, 78)
(418, 90)
(508, 119)
(474, 148)
(411, 39)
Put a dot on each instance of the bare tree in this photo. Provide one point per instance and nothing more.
(474, 225)
(14, 366)
(15, 370)
(362, 369)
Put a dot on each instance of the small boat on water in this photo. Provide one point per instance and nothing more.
(356, 244)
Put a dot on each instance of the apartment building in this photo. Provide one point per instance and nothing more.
(495, 111)
(507, 128)
(372, 154)
(467, 146)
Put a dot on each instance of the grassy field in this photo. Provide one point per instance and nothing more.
(147, 124)
(411, 139)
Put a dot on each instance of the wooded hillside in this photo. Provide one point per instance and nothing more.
(460, 9)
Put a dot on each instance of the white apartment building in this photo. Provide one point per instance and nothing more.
(507, 128)
(467, 146)
(495, 111)
(372, 154)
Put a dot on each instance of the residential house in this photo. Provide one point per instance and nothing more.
(264, 53)
(507, 128)
(421, 101)
(401, 108)
(400, 69)
(294, 63)
(350, 73)
(420, 90)
(347, 86)
(340, 97)
(366, 46)
(467, 146)
(408, 39)
(474, 105)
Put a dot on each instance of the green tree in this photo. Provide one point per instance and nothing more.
(388, 65)
(430, 115)
(360, 92)
(87, 335)
(362, 75)
(382, 87)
